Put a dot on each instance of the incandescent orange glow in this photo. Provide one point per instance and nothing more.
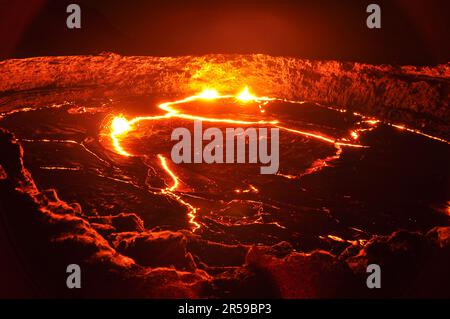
(403, 127)
(336, 238)
(246, 96)
(250, 189)
(172, 175)
(288, 176)
(208, 94)
(120, 125)
(192, 211)
(372, 122)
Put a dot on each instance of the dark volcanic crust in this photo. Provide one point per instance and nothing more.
(416, 96)
(122, 259)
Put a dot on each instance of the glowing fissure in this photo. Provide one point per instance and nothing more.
(81, 144)
(320, 163)
(402, 127)
(250, 189)
(164, 165)
(170, 191)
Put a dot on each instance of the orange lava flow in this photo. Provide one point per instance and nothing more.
(174, 177)
(402, 127)
(120, 126)
(170, 191)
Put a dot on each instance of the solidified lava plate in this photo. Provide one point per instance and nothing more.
(86, 176)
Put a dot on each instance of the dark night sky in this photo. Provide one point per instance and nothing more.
(413, 31)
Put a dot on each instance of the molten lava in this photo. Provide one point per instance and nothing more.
(245, 96)
(120, 126)
(171, 192)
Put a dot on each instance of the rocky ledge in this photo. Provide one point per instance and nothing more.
(415, 96)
